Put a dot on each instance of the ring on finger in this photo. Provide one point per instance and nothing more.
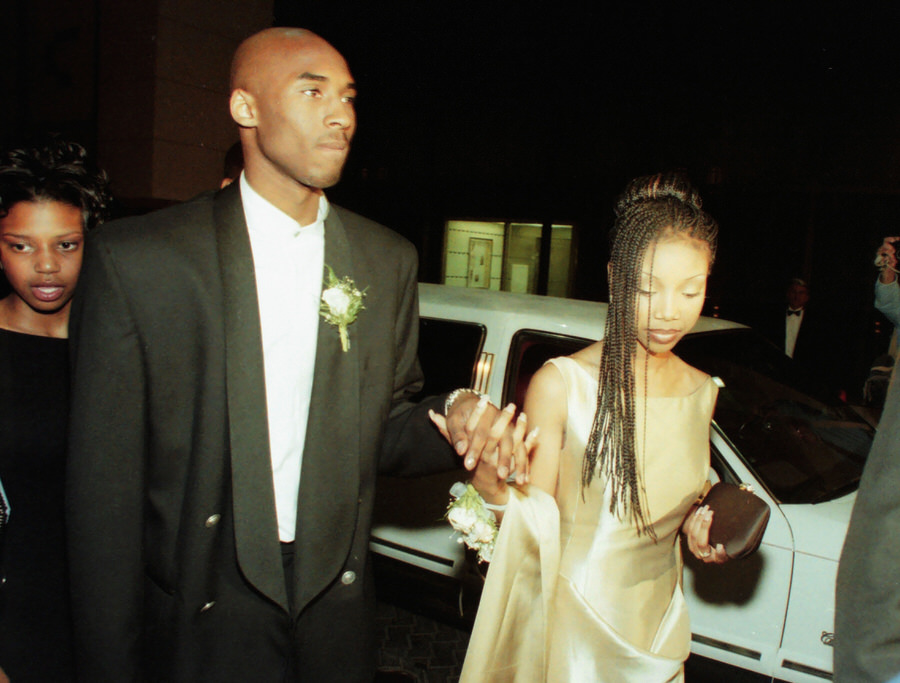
(706, 554)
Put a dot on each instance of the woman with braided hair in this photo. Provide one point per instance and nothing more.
(50, 195)
(623, 450)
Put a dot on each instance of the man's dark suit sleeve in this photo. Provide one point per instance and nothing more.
(105, 487)
(412, 445)
(867, 615)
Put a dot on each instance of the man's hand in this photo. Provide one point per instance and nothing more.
(478, 430)
(886, 259)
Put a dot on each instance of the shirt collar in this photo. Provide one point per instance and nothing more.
(259, 212)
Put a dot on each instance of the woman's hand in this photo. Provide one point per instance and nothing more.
(696, 530)
(487, 477)
(480, 431)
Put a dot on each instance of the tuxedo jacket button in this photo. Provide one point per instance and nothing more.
(348, 577)
(208, 606)
(212, 520)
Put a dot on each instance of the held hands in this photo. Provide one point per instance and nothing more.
(487, 438)
(696, 530)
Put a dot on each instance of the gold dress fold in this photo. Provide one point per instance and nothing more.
(613, 611)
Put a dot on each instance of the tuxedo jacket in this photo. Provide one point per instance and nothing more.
(176, 564)
(817, 353)
(773, 326)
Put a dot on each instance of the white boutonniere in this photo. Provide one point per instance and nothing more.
(476, 524)
(341, 304)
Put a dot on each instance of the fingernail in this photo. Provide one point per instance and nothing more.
(483, 401)
(510, 408)
(534, 432)
(460, 447)
(470, 462)
(502, 472)
(521, 417)
(431, 413)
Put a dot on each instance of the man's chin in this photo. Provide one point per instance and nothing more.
(321, 182)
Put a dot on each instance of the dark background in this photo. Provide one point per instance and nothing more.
(785, 114)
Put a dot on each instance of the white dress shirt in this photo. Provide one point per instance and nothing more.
(288, 260)
(791, 330)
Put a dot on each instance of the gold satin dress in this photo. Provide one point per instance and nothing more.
(615, 612)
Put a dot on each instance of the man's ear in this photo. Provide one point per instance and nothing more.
(243, 108)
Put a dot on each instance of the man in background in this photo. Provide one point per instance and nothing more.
(797, 297)
(801, 330)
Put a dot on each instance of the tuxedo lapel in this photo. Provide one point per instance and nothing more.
(255, 526)
(329, 483)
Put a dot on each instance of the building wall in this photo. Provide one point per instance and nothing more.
(143, 84)
(47, 48)
(163, 121)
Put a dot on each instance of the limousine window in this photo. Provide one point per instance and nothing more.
(448, 352)
(805, 448)
(529, 350)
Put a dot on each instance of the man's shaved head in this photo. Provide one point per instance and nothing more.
(292, 95)
(256, 52)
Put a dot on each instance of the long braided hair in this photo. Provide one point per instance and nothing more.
(651, 209)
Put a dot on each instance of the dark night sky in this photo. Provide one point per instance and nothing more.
(496, 110)
(491, 110)
(785, 114)
(770, 92)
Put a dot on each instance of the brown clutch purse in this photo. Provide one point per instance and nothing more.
(739, 519)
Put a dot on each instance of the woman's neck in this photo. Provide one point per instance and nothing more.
(661, 374)
(654, 362)
(17, 316)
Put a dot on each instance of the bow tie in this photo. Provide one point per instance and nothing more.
(797, 312)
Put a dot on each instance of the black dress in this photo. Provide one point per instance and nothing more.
(35, 622)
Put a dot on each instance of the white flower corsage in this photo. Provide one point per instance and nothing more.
(476, 524)
(341, 303)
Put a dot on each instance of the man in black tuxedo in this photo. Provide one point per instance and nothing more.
(225, 440)
(795, 344)
(799, 330)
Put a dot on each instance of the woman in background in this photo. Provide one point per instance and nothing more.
(50, 196)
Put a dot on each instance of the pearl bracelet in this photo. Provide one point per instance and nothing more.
(456, 393)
